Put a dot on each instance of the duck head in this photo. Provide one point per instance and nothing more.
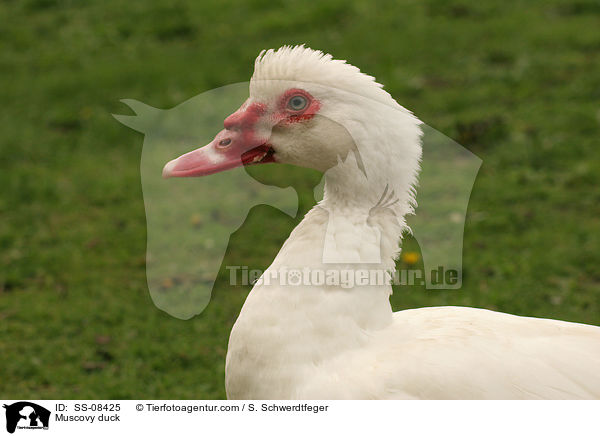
(309, 110)
(287, 128)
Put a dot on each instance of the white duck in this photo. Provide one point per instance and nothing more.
(333, 342)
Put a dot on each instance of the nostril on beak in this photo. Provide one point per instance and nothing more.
(224, 142)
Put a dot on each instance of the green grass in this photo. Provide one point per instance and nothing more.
(517, 84)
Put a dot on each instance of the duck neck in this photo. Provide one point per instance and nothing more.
(366, 212)
(357, 226)
(347, 187)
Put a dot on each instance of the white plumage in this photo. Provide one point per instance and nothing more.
(334, 342)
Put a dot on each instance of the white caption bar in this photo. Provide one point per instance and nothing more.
(23, 417)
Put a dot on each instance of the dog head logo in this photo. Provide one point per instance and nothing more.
(190, 222)
(26, 415)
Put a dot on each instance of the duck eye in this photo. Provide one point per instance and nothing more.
(297, 103)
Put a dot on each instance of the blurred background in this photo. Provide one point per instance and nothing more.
(516, 83)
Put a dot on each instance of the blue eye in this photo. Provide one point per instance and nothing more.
(297, 103)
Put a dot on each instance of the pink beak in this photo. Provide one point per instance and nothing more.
(236, 145)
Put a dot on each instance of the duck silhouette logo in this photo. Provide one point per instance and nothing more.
(26, 415)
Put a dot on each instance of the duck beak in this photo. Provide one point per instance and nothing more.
(222, 154)
(236, 145)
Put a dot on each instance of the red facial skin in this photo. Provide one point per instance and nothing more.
(240, 142)
(289, 116)
(245, 117)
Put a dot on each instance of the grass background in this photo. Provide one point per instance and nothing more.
(517, 83)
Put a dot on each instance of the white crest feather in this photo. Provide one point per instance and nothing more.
(302, 64)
